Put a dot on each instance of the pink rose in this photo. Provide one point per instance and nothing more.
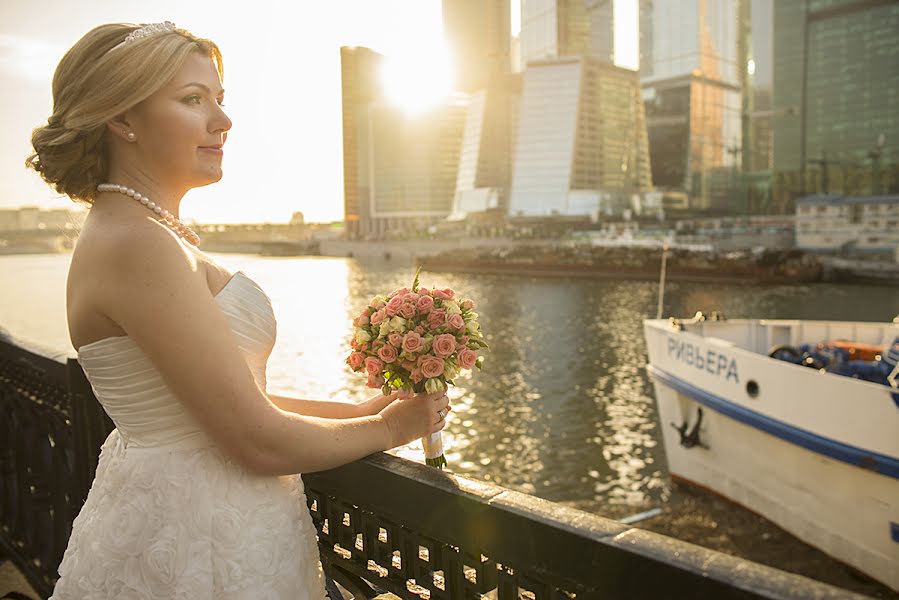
(437, 318)
(378, 317)
(455, 321)
(425, 304)
(373, 365)
(416, 375)
(412, 342)
(410, 298)
(395, 304)
(462, 342)
(467, 358)
(361, 320)
(444, 345)
(407, 310)
(356, 360)
(387, 353)
(432, 366)
(409, 365)
(467, 304)
(419, 329)
(446, 294)
(400, 292)
(375, 380)
(395, 339)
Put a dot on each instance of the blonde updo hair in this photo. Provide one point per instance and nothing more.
(93, 84)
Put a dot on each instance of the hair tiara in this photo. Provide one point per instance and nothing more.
(146, 31)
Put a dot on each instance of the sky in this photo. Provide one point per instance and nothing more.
(282, 76)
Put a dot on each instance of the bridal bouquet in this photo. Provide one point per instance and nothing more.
(417, 340)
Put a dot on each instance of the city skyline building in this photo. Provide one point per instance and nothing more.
(479, 37)
(485, 160)
(360, 85)
(690, 57)
(413, 163)
(760, 71)
(560, 28)
(836, 88)
(581, 146)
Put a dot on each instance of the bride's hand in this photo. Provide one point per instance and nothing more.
(376, 404)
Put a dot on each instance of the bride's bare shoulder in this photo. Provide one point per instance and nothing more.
(107, 244)
(111, 251)
(113, 258)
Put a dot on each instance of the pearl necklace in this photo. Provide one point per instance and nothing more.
(167, 217)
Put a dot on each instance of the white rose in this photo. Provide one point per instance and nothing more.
(162, 562)
(398, 324)
(433, 385)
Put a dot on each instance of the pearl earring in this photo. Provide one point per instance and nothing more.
(131, 135)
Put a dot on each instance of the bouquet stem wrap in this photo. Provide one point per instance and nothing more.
(433, 447)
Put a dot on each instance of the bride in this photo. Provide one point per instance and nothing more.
(197, 493)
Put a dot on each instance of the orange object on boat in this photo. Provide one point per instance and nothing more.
(858, 351)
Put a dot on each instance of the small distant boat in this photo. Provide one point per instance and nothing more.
(753, 410)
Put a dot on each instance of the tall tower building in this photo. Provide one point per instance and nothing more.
(558, 28)
(360, 86)
(413, 165)
(760, 69)
(479, 37)
(836, 88)
(485, 161)
(581, 145)
(692, 79)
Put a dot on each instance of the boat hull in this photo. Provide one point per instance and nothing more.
(830, 492)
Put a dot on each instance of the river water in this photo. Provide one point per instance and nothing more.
(563, 408)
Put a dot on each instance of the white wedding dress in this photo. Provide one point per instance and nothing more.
(168, 514)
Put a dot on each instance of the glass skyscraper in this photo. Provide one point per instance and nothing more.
(359, 73)
(836, 92)
(479, 35)
(560, 28)
(692, 79)
(413, 165)
(581, 143)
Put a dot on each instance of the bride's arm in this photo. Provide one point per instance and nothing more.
(328, 409)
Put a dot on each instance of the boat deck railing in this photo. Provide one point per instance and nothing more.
(385, 524)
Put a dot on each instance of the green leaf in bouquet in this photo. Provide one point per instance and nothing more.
(415, 281)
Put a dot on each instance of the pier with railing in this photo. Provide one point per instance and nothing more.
(385, 524)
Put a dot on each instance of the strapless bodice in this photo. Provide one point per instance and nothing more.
(131, 390)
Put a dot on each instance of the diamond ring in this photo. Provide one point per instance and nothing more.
(442, 413)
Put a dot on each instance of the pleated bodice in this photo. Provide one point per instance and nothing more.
(132, 391)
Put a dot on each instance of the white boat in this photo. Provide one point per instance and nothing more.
(813, 451)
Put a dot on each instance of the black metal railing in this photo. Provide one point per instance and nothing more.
(385, 524)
